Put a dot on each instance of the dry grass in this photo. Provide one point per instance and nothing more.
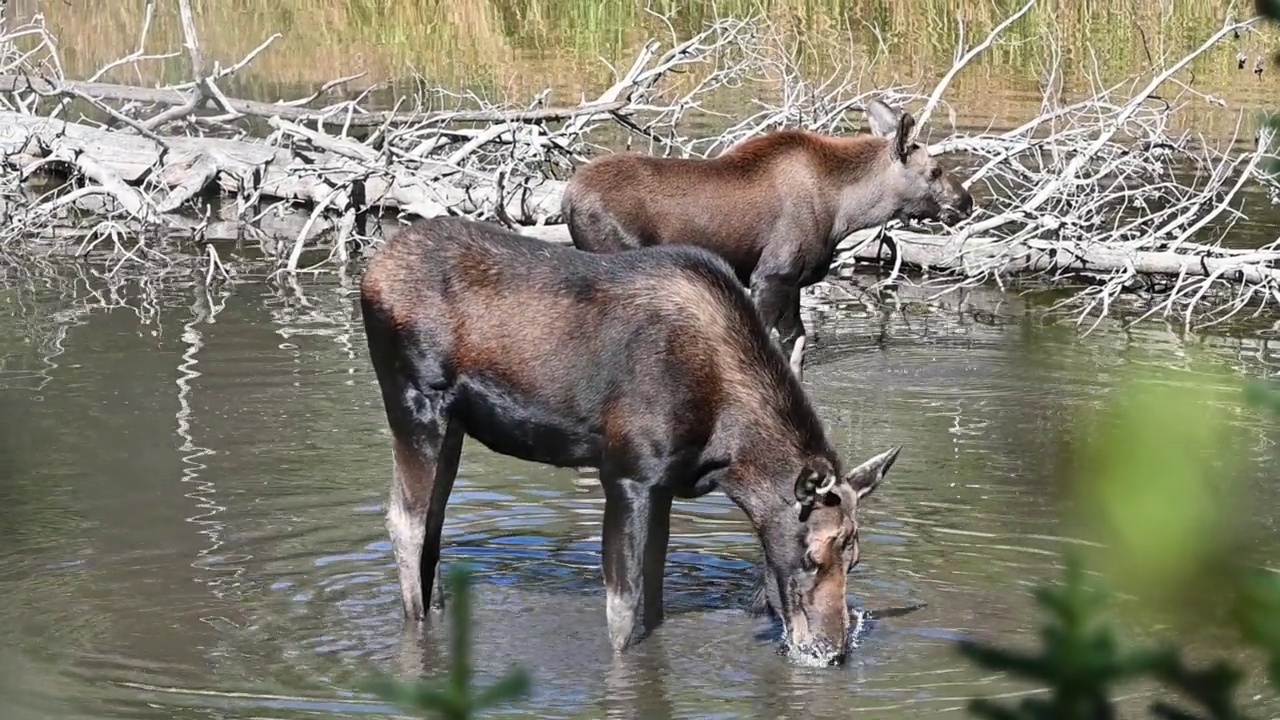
(518, 48)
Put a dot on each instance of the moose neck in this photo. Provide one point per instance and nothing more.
(765, 425)
(862, 189)
(769, 446)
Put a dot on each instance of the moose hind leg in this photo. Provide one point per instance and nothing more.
(655, 556)
(634, 553)
(768, 296)
(778, 303)
(426, 463)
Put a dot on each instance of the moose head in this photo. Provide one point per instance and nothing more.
(809, 552)
(922, 188)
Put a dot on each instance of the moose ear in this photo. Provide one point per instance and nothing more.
(902, 140)
(865, 478)
(882, 118)
(807, 486)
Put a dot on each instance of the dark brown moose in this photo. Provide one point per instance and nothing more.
(773, 206)
(652, 366)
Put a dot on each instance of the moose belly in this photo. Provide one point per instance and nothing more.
(526, 427)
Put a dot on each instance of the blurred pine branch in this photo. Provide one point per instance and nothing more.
(455, 698)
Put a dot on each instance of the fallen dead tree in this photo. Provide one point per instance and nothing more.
(1101, 189)
(419, 163)
(490, 162)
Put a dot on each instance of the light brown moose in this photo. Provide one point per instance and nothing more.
(773, 206)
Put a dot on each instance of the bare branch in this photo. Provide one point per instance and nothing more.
(964, 60)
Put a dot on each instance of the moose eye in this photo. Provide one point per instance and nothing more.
(936, 172)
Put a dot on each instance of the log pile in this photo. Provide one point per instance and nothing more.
(1100, 189)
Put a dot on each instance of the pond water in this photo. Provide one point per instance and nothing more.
(192, 492)
(191, 485)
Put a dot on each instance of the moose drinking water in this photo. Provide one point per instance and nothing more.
(652, 366)
(773, 206)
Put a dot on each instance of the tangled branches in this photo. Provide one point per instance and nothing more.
(342, 163)
(1101, 190)
(1104, 191)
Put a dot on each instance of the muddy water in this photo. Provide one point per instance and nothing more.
(190, 513)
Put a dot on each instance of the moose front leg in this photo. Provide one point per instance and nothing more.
(637, 522)
(764, 593)
(791, 331)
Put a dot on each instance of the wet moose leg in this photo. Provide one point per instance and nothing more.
(446, 473)
(655, 557)
(775, 289)
(426, 462)
(634, 553)
(425, 448)
(764, 594)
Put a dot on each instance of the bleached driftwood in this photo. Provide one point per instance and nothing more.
(333, 117)
(188, 165)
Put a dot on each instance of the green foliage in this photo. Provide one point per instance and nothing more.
(1257, 615)
(1156, 483)
(1153, 492)
(1082, 662)
(1257, 609)
(455, 698)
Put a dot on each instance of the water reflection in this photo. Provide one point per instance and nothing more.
(192, 501)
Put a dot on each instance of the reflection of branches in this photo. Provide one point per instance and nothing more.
(350, 327)
(203, 490)
(297, 311)
(46, 328)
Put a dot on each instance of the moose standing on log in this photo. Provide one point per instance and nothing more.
(773, 206)
(652, 366)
